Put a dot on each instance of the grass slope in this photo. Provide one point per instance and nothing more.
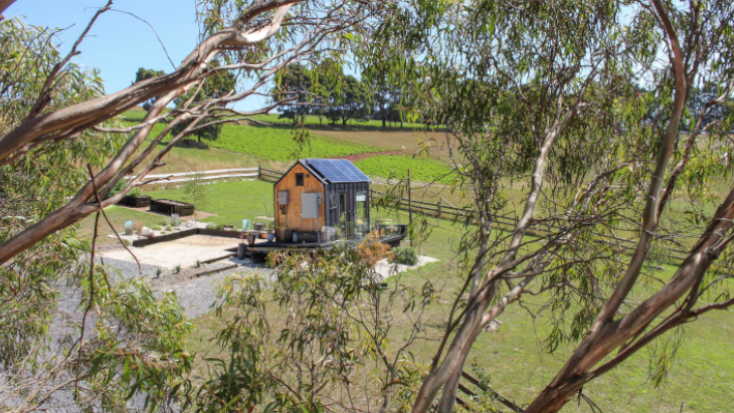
(518, 365)
(396, 166)
(278, 144)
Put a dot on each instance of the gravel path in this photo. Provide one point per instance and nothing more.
(387, 270)
(182, 252)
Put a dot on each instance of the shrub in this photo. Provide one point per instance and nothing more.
(405, 255)
(119, 186)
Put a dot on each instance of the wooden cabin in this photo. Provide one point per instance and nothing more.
(322, 200)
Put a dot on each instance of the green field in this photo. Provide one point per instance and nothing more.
(278, 144)
(231, 201)
(515, 358)
(421, 169)
(275, 143)
(701, 379)
(702, 373)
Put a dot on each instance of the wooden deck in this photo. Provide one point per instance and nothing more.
(267, 247)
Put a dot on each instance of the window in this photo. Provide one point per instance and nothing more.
(299, 179)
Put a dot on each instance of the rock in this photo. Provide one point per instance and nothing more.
(492, 326)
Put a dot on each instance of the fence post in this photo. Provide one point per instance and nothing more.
(410, 208)
(259, 173)
(438, 206)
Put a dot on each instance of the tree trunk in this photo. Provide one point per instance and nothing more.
(552, 399)
(383, 122)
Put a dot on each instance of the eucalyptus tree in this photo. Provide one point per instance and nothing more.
(296, 80)
(216, 86)
(233, 32)
(584, 103)
(63, 150)
(353, 100)
(145, 74)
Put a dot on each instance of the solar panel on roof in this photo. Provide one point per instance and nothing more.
(338, 170)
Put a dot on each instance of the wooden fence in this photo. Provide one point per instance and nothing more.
(440, 209)
(505, 222)
(219, 174)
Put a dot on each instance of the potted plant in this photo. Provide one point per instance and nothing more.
(271, 232)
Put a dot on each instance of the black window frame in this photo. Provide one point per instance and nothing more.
(299, 176)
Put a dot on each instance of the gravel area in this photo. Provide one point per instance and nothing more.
(182, 252)
(387, 270)
(198, 295)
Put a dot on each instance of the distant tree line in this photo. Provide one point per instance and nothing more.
(327, 92)
(214, 87)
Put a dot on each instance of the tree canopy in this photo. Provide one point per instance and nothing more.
(613, 118)
(145, 74)
(324, 91)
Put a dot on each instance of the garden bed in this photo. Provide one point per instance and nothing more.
(221, 233)
(136, 201)
(163, 238)
(170, 207)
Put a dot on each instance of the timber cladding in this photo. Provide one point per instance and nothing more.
(289, 217)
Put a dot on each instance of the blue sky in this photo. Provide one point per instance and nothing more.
(119, 44)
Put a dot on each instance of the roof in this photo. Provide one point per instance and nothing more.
(335, 171)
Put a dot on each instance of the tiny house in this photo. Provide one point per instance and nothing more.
(323, 199)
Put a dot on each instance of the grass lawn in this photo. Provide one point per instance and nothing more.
(118, 216)
(421, 169)
(702, 374)
(232, 201)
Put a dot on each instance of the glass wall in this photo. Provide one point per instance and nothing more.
(361, 220)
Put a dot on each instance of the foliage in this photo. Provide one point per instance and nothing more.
(33, 184)
(296, 81)
(333, 338)
(216, 86)
(580, 111)
(194, 192)
(405, 255)
(352, 100)
(145, 74)
(323, 91)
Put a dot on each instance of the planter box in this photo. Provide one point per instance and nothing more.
(136, 201)
(169, 207)
(163, 238)
(221, 233)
